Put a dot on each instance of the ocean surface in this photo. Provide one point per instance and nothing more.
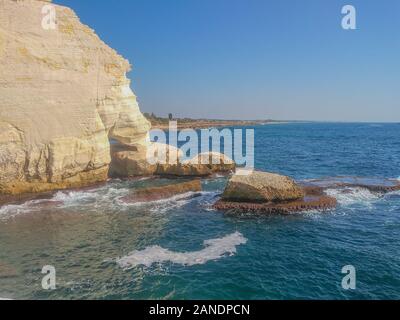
(180, 248)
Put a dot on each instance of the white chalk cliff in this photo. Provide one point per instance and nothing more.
(63, 95)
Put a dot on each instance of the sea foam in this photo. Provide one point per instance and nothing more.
(214, 249)
(101, 197)
(350, 196)
(174, 202)
(13, 210)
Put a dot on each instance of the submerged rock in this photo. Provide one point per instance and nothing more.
(262, 187)
(268, 193)
(378, 185)
(163, 192)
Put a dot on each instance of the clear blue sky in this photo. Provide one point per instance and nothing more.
(250, 59)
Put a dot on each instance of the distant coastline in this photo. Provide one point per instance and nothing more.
(189, 123)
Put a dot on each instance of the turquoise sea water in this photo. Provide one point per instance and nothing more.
(84, 233)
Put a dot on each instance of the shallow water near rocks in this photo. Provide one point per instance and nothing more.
(182, 249)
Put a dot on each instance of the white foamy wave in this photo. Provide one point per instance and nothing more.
(100, 197)
(350, 196)
(208, 199)
(184, 199)
(313, 214)
(164, 205)
(214, 249)
(12, 210)
(70, 197)
(392, 194)
(178, 197)
(397, 192)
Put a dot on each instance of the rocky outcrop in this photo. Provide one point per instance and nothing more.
(268, 193)
(262, 187)
(163, 192)
(202, 165)
(132, 162)
(63, 94)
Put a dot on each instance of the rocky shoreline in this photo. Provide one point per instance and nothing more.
(276, 197)
(209, 123)
(69, 120)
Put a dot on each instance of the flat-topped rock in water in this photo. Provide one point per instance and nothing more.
(129, 161)
(262, 187)
(314, 199)
(163, 192)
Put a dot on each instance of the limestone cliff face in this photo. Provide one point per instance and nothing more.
(63, 94)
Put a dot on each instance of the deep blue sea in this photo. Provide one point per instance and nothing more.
(194, 252)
